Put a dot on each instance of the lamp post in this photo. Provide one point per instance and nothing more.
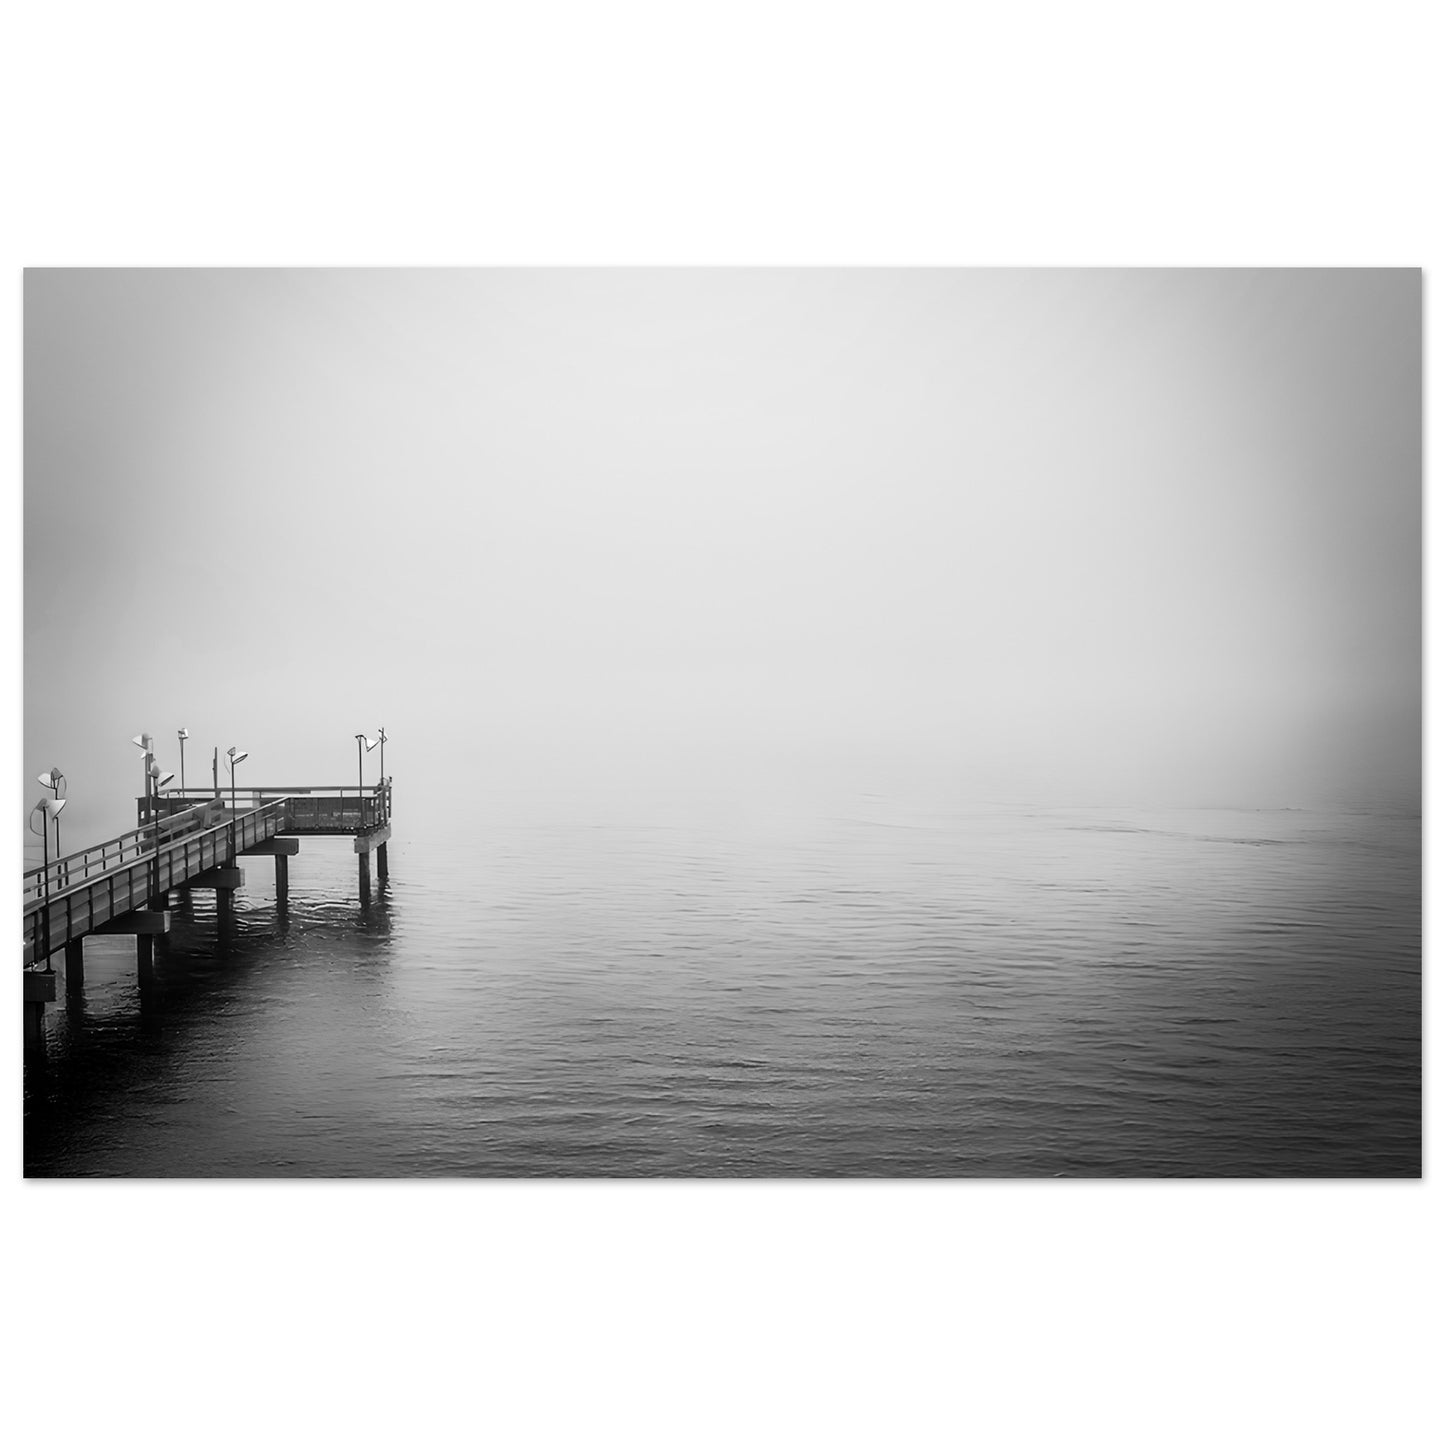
(144, 742)
(48, 808)
(234, 760)
(158, 780)
(183, 734)
(381, 738)
(55, 781)
(360, 783)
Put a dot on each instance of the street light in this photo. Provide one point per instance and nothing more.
(158, 778)
(183, 734)
(381, 738)
(146, 744)
(55, 781)
(48, 808)
(360, 784)
(234, 760)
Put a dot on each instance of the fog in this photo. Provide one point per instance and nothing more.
(586, 540)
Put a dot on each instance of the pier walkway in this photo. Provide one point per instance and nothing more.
(186, 840)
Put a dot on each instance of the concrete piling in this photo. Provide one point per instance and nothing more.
(39, 991)
(145, 953)
(75, 968)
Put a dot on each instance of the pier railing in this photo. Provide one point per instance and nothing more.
(336, 809)
(100, 857)
(169, 858)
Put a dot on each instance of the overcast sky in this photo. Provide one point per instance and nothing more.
(1136, 536)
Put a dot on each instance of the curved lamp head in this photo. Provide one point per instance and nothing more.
(44, 811)
(54, 779)
(370, 742)
(233, 758)
(161, 779)
(142, 741)
(183, 733)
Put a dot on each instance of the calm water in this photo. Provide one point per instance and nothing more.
(867, 992)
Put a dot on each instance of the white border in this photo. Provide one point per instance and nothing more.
(646, 133)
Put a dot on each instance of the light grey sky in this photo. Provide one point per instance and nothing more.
(1087, 536)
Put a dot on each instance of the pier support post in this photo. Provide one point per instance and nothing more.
(364, 842)
(279, 850)
(145, 959)
(155, 922)
(39, 991)
(75, 968)
(225, 880)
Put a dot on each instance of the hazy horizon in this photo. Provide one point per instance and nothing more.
(1114, 537)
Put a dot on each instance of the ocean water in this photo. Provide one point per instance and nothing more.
(857, 990)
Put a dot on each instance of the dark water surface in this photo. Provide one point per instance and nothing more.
(984, 992)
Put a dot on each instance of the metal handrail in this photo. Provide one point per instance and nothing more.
(225, 793)
(53, 921)
(130, 848)
(101, 858)
(376, 796)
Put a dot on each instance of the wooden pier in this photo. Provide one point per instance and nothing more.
(183, 841)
